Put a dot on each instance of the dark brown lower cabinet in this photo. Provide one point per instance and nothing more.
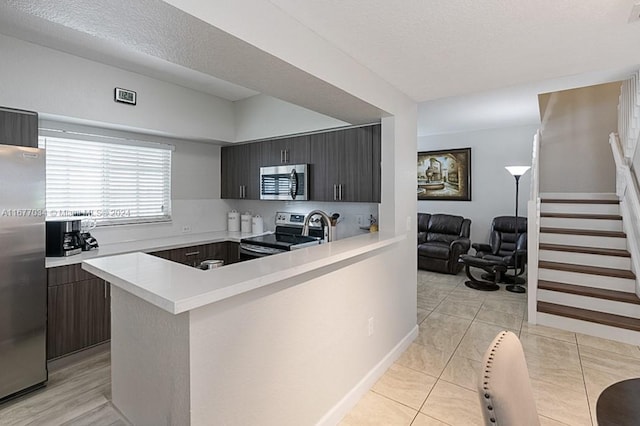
(228, 251)
(79, 304)
(79, 316)
(233, 252)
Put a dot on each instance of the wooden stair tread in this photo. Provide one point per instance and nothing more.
(599, 293)
(581, 216)
(586, 250)
(587, 269)
(587, 232)
(577, 201)
(603, 318)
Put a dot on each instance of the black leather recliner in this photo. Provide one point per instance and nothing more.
(497, 257)
(442, 238)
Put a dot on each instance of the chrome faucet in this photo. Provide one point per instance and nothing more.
(325, 217)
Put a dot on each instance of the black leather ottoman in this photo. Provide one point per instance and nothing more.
(493, 268)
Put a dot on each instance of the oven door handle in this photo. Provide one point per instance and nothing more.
(293, 184)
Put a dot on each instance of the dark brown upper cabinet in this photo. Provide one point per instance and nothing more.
(292, 150)
(344, 164)
(240, 171)
(18, 127)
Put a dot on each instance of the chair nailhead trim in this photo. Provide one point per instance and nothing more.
(488, 371)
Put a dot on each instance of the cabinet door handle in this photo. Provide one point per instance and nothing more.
(286, 156)
(335, 192)
(340, 192)
(282, 156)
(104, 285)
(192, 253)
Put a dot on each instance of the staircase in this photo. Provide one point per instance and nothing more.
(585, 281)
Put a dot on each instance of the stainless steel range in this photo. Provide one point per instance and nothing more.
(288, 236)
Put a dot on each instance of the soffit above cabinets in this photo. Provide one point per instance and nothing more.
(156, 39)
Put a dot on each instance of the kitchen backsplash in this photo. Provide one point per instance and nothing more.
(188, 217)
(347, 222)
(200, 216)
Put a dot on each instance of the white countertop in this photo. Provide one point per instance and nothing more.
(155, 244)
(178, 288)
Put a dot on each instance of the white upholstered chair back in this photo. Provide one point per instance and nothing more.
(506, 398)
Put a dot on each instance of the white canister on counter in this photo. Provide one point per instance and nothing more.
(233, 221)
(245, 222)
(257, 224)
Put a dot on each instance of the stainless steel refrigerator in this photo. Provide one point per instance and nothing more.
(23, 281)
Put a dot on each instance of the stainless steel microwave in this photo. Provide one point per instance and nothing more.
(290, 182)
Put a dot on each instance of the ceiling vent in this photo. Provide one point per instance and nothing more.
(635, 13)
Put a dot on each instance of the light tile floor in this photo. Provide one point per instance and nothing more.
(434, 381)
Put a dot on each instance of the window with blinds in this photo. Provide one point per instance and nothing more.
(114, 182)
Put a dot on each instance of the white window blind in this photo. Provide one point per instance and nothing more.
(116, 183)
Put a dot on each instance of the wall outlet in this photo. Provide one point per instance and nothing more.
(186, 229)
(360, 220)
(370, 326)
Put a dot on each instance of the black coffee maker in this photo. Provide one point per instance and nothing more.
(87, 241)
(63, 237)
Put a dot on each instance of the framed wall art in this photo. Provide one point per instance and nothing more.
(445, 175)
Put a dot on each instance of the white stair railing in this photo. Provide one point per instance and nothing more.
(629, 115)
(533, 231)
(627, 191)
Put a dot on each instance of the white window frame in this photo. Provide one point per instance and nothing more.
(126, 181)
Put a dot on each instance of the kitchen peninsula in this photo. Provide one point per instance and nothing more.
(234, 345)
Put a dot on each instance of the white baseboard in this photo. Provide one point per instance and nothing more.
(346, 404)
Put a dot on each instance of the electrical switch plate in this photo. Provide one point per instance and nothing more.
(370, 326)
(408, 223)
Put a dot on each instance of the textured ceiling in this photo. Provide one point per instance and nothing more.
(431, 49)
(141, 41)
(499, 53)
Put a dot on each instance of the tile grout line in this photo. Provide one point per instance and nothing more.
(584, 383)
(449, 359)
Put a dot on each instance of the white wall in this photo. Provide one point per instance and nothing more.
(262, 359)
(263, 116)
(270, 29)
(492, 187)
(58, 84)
(575, 155)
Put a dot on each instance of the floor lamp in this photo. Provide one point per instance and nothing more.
(517, 172)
